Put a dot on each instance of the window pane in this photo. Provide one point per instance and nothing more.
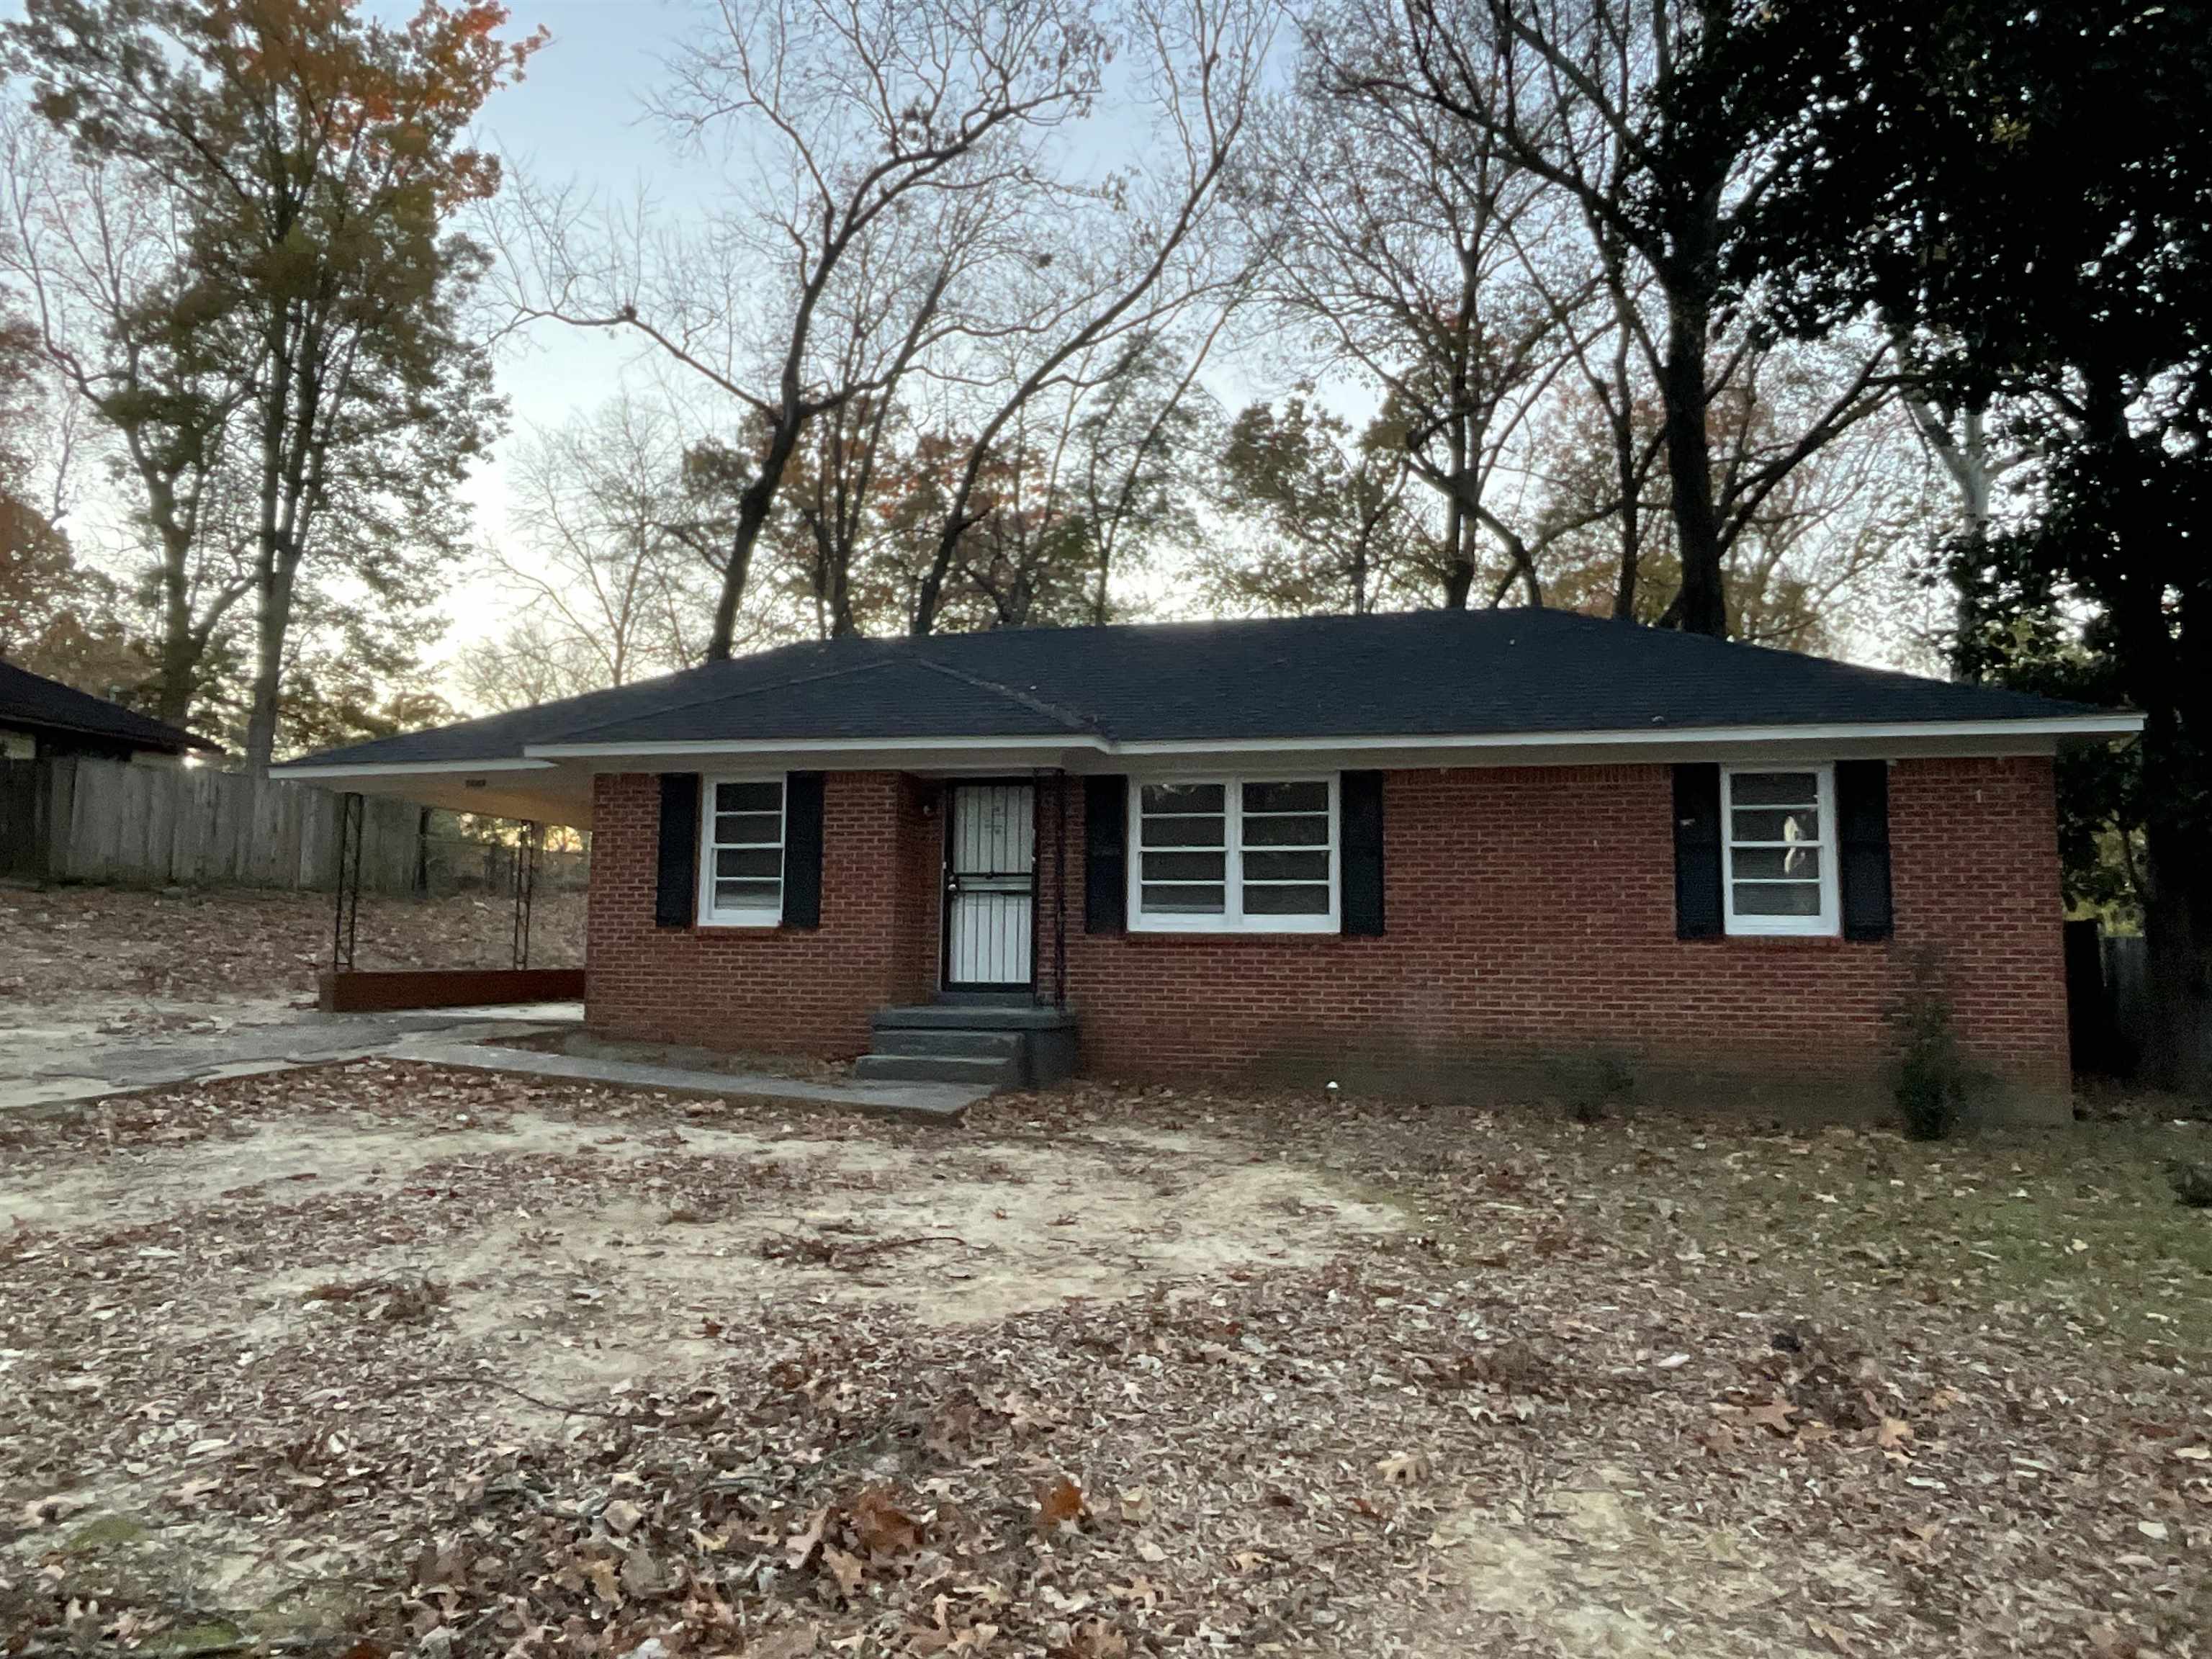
(1287, 797)
(1186, 867)
(1184, 798)
(1200, 901)
(765, 796)
(1286, 867)
(755, 861)
(1295, 829)
(1778, 898)
(1773, 789)
(1286, 900)
(758, 829)
(1182, 832)
(1777, 863)
(1769, 824)
(748, 895)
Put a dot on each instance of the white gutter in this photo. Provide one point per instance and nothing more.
(2100, 725)
(2061, 726)
(814, 746)
(409, 768)
(544, 758)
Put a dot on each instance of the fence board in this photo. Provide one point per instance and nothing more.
(109, 820)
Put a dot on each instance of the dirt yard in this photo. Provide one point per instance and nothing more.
(377, 1359)
(195, 946)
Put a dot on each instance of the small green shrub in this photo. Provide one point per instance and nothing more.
(1935, 1081)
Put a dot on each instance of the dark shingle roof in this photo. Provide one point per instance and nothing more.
(32, 700)
(1423, 674)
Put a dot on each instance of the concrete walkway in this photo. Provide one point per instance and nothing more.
(73, 1070)
(937, 1101)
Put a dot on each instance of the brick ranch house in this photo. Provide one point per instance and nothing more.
(1436, 851)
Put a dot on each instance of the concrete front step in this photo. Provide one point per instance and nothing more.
(1003, 1072)
(964, 1045)
(976, 1016)
(1007, 1041)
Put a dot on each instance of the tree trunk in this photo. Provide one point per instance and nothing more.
(2176, 887)
(752, 517)
(1459, 569)
(275, 622)
(2178, 941)
(1701, 606)
(180, 648)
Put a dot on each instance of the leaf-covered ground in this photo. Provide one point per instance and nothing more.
(71, 944)
(457, 1364)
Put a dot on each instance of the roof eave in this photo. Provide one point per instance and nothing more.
(2032, 732)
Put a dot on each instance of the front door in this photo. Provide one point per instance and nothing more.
(990, 885)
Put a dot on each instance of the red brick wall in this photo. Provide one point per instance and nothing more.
(1531, 920)
(763, 989)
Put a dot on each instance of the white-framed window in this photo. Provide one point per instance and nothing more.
(741, 852)
(1220, 854)
(1778, 834)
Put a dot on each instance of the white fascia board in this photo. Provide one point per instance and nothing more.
(2077, 725)
(400, 770)
(1955, 736)
(409, 769)
(811, 746)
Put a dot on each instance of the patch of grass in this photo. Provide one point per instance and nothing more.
(2076, 1224)
(203, 1636)
(108, 1532)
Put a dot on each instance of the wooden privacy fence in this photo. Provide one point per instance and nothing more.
(113, 821)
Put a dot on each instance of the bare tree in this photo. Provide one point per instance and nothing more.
(1120, 274)
(877, 144)
(595, 554)
(1392, 232)
(1642, 115)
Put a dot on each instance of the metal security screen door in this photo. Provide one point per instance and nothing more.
(990, 887)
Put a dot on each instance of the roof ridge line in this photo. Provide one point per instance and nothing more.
(721, 696)
(1068, 718)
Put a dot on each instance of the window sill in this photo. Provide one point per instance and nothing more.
(1297, 927)
(766, 923)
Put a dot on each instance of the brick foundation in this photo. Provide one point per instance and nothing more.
(1531, 932)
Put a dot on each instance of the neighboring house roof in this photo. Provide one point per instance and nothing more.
(31, 702)
(1322, 680)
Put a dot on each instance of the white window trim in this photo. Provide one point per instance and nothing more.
(709, 915)
(1829, 923)
(1232, 919)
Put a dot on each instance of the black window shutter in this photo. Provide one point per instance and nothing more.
(1359, 835)
(802, 849)
(1106, 854)
(674, 901)
(1698, 850)
(1862, 834)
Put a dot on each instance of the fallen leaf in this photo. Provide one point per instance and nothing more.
(799, 1547)
(1402, 1469)
(1059, 1504)
(883, 1527)
(848, 1569)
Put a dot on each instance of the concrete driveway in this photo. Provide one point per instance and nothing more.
(61, 1052)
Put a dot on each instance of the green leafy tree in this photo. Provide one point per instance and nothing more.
(319, 158)
(1320, 522)
(2030, 205)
